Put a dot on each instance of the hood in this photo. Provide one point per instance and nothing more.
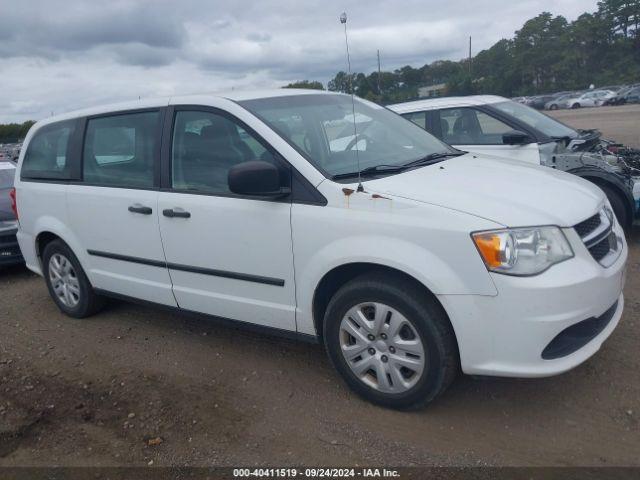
(501, 190)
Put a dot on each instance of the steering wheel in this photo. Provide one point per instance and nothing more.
(357, 137)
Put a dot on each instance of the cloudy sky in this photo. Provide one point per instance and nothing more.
(57, 56)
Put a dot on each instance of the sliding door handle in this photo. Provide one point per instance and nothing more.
(176, 213)
(137, 208)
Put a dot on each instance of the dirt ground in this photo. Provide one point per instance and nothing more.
(137, 386)
(134, 385)
(621, 124)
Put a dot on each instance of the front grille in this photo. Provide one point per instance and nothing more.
(587, 226)
(598, 236)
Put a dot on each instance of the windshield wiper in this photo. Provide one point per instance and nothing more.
(432, 158)
(384, 168)
(375, 170)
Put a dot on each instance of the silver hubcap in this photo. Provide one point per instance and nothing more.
(382, 347)
(64, 280)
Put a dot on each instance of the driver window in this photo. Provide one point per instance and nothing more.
(205, 146)
(468, 126)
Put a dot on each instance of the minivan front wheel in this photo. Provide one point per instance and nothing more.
(67, 283)
(391, 343)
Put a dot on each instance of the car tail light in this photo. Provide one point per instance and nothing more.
(14, 202)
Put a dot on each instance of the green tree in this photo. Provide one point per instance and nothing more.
(310, 85)
(14, 132)
(341, 82)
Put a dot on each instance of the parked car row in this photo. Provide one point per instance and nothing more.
(611, 95)
(10, 151)
(629, 94)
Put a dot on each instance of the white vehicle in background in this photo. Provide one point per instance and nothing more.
(560, 102)
(497, 126)
(407, 258)
(590, 99)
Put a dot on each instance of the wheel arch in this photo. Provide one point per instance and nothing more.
(600, 177)
(338, 276)
(49, 229)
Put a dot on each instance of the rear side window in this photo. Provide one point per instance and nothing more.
(47, 154)
(121, 150)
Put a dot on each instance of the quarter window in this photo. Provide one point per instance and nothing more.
(120, 150)
(468, 126)
(205, 146)
(46, 155)
(419, 118)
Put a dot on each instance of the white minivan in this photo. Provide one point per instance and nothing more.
(408, 259)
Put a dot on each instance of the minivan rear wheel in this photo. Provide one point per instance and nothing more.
(392, 343)
(68, 285)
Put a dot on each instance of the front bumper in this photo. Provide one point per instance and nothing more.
(9, 249)
(506, 335)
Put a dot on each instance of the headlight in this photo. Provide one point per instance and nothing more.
(608, 211)
(522, 251)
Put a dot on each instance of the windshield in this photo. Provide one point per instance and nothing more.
(535, 119)
(321, 128)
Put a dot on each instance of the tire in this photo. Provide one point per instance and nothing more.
(553, 107)
(72, 292)
(618, 204)
(426, 325)
(575, 105)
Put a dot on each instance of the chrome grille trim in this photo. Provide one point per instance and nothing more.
(600, 238)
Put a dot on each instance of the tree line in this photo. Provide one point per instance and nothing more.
(14, 132)
(547, 54)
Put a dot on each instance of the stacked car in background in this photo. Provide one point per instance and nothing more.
(10, 151)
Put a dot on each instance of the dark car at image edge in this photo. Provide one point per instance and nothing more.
(9, 249)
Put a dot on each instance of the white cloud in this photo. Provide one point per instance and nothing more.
(59, 55)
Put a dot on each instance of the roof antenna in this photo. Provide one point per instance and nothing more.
(343, 20)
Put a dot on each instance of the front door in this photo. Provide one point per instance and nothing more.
(228, 256)
(476, 131)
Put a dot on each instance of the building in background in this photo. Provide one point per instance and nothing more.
(432, 90)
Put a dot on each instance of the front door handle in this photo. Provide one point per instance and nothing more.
(137, 208)
(171, 213)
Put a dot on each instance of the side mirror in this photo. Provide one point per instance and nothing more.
(256, 178)
(516, 137)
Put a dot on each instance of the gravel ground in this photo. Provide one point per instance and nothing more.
(134, 385)
(137, 386)
(621, 124)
